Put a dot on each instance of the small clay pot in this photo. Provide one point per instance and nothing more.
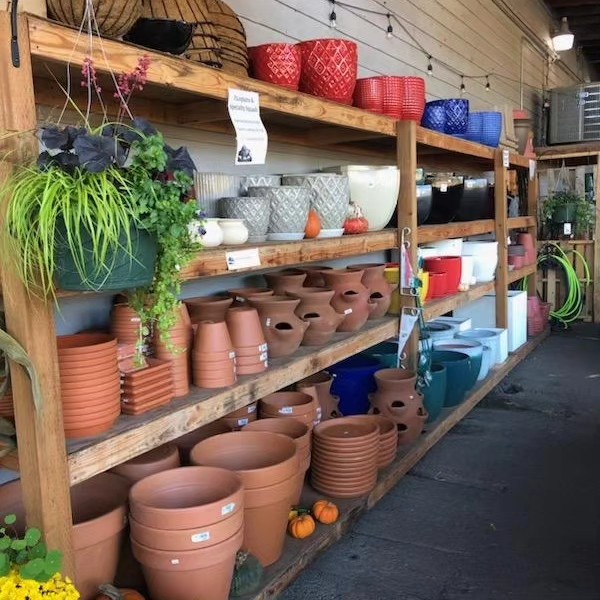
(288, 404)
(379, 289)
(125, 324)
(213, 357)
(212, 337)
(208, 308)
(237, 423)
(299, 432)
(214, 370)
(245, 411)
(244, 327)
(241, 295)
(246, 361)
(216, 383)
(285, 281)
(68, 375)
(160, 459)
(319, 387)
(314, 276)
(251, 350)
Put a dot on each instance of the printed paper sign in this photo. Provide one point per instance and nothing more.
(532, 165)
(242, 259)
(251, 135)
(505, 158)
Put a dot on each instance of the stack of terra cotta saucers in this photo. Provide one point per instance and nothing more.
(175, 346)
(213, 358)
(239, 418)
(345, 457)
(300, 433)
(90, 383)
(248, 339)
(147, 387)
(187, 525)
(296, 405)
(388, 438)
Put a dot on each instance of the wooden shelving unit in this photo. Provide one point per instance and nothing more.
(182, 93)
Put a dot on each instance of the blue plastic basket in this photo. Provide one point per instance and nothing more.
(491, 128)
(457, 116)
(475, 127)
(434, 116)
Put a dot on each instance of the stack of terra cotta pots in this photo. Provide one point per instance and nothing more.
(213, 357)
(239, 418)
(125, 324)
(208, 308)
(268, 465)
(397, 399)
(319, 387)
(248, 339)
(388, 438)
(345, 457)
(90, 383)
(295, 405)
(187, 525)
(147, 387)
(300, 433)
(175, 346)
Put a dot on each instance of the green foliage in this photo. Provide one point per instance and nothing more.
(585, 211)
(27, 554)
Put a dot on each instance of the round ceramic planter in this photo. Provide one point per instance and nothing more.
(241, 295)
(488, 337)
(213, 234)
(288, 404)
(208, 308)
(458, 374)
(255, 213)
(386, 353)
(379, 289)
(485, 256)
(319, 387)
(235, 232)
(160, 459)
(186, 442)
(186, 497)
(212, 337)
(314, 275)
(290, 206)
(435, 392)
(353, 381)
(81, 345)
(285, 281)
(472, 348)
(299, 432)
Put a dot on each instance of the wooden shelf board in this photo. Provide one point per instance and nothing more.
(441, 306)
(432, 233)
(132, 436)
(521, 222)
(212, 262)
(559, 152)
(520, 273)
(300, 553)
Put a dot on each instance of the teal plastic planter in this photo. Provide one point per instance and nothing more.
(458, 374)
(435, 393)
(386, 353)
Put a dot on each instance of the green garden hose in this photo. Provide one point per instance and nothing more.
(573, 305)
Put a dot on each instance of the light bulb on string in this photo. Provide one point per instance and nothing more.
(332, 15)
(487, 83)
(429, 65)
(463, 89)
(390, 29)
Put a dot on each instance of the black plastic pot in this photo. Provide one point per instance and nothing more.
(477, 202)
(446, 201)
(424, 202)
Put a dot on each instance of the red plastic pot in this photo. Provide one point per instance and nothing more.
(280, 64)
(329, 69)
(451, 265)
(413, 98)
(368, 94)
(437, 285)
(392, 89)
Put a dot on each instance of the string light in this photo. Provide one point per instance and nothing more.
(332, 15)
(487, 83)
(429, 65)
(390, 29)
(463, 89)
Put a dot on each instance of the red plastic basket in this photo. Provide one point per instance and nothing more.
(277, 63)
(329, 69)
(368, 94)
(393, 96)
(413, 105)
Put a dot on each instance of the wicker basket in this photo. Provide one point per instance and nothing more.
(114, 17)
(205, 46)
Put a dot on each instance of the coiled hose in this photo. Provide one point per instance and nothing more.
(573, 305)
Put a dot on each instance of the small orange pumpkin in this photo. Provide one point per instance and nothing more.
(110, 592)
(325, 512)
(313, 225)
(302, 526)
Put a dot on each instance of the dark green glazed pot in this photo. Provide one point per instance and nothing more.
(386, 353)
(435, 393)
(122, 271)
(458, 375)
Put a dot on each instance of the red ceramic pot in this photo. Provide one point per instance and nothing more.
(437, 285)
(392, 96)
(516, 261)
(451, 265)
(368, 94)
(413, 98)
(277, 63)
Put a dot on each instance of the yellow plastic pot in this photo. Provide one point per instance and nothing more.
(392, 275)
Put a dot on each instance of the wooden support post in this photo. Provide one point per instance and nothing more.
(501, 210)
(596, 274)
(533, 197)
(42, 454)
(407, 213)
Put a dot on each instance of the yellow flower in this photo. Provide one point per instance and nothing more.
(13, 587)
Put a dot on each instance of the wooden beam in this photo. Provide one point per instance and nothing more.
(522, 222)
(533, 197)
(441, 306)
(335, 135)
(501, 208)
(202, 111)
(596, 304)
(432, 233)
(43, 464)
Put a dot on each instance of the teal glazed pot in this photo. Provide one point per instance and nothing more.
(435, 393)
(458, 374)
(472, 348)
(386, 353)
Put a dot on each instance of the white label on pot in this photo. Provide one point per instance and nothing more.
(505, 158)
(348, 311)
(240, 299)
(242, 259)
(135, 320)
(174, 561)
(286, 410)
(228, 508)
(532, 169)
(266, 363)
(232, 355)
(268, 322)
(198, 538)
(242, 422)
(567, 228)
(251, 409)
(444, 188)
(263, 357)
(262, 347)
(251, 135)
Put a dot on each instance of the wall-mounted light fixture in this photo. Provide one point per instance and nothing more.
(563, 39)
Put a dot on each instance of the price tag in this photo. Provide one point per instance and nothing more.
(444, 188)
(198, 538)
(567, 228)
(252, 409)
(242, 259)
(251, 135)
(228, 508)
(505, 158)
(532, 169)
(242, 422)
(286, 410)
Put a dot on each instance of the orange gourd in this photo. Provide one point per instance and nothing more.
(110, 592)
(302, 526)
(325, 512)
(313, 225)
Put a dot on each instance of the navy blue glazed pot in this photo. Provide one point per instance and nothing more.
(353, 381)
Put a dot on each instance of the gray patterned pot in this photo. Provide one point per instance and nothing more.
(289, 207)
(260, 181)
(255, 211)
(210, 187)
(331, 199)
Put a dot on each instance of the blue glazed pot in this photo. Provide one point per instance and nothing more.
(458, 374)
(475, 127)
(434, 116)
(457, 116)
(491, 128)
(386, 353)
(472, 348)
(353, 381)
(435, 393)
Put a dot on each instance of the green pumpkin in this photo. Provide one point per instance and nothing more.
(248, 575)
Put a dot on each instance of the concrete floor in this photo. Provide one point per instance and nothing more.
(506, 506)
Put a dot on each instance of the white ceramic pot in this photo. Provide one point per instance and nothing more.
(427, 252)
(375, 190)
(452, 247)
(485, 255)
(213, 234)
(489, 338)
(486, 363)
(235, 231)
(466, 274)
